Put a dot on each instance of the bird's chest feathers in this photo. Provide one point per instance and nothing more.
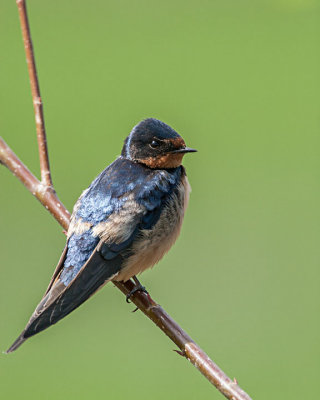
(153, 243)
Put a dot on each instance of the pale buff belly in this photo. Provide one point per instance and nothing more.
(154, 243)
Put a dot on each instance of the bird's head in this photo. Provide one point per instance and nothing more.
(155, 144)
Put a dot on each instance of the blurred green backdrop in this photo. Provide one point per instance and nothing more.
(240, 81)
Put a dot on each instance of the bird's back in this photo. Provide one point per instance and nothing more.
(129, 213)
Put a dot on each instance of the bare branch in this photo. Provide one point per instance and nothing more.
(188, 348)
(46, 195)
(35, 90)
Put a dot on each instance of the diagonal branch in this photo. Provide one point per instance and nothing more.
(188, 348)
(45, 193)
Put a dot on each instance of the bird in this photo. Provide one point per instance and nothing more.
(122, 224)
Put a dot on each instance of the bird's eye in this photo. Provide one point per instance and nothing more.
(154, 144)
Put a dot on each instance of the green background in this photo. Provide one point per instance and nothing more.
(239, 80)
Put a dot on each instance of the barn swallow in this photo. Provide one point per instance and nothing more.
(124, 223)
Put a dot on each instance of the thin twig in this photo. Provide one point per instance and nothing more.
(144, 302)
(35, 90)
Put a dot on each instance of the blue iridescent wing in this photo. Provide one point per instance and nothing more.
(88, 261)
(61, 300)
(124, 197)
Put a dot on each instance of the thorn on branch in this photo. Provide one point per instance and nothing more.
(180, 352)
(37, 101)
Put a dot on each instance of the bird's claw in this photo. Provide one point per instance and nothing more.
(137, 288)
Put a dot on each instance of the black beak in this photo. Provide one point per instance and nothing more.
(184, 150)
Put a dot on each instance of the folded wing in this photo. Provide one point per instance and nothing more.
(105, 222)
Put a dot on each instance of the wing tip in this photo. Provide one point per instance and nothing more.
(21, 339)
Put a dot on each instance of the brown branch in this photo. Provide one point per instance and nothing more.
(46, 195)
(35, 90)
(188, 348)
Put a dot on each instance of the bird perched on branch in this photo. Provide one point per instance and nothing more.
(124, 223)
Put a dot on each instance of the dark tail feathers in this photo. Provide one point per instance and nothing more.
(17, 343)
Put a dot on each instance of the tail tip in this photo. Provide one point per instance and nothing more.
(21, 339)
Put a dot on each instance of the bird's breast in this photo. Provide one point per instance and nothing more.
(152, 244)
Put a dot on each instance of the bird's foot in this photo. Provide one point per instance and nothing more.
(137, 288)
